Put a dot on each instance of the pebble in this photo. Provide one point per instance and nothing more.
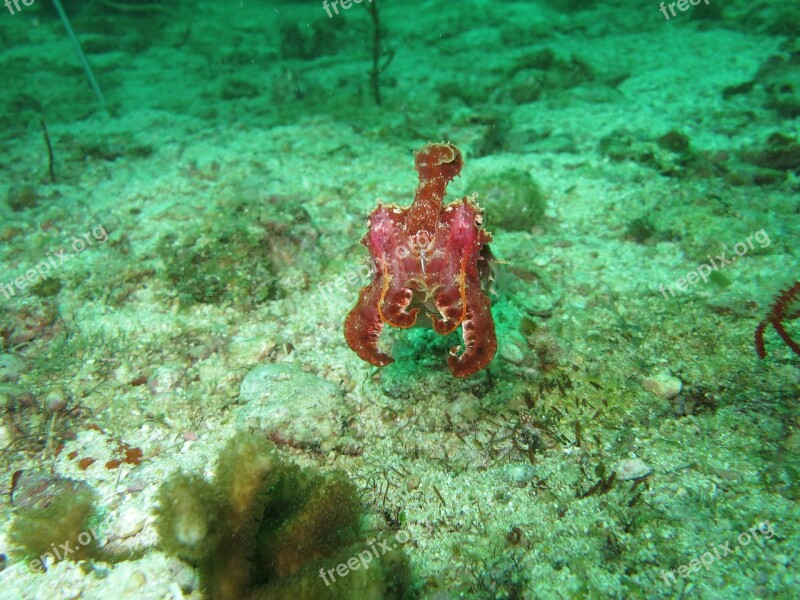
(5, 436)
(55, 401)
(632, 468)
(136, 581)
(512, 351)
(519, 474)
(11, 367)
(292, 407)
(165, 379)
(663, 385)
(413, 482)
(465, 408)
(129, 523)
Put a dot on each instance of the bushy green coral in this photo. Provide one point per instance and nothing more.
(264, 528)
(193, 508)
(53, 519)
(512, 199)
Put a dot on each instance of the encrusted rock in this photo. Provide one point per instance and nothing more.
(465, 408)
(632, 468)
(663, 385)
(55, 401)
(6, 437)
(129, 523)
(519, 474)
(11, 367)
(291, 407)
(166, 379)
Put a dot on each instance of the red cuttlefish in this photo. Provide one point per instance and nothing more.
(432, 258)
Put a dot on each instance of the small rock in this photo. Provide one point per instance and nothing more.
(136, 581)
(165, 379)
(11, 367)
(124, 374)
(291, 407)
(465, 408)
(663, 385)
(55, 401)
(512, 352)
(129, 523)
(519, 474)
(632, 468)
(6, 436)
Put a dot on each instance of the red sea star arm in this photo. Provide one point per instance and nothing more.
(478, 333)
(363, 326)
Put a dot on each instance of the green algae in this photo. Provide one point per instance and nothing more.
(512, 198)
(52, 511)
(265, 528)
(226, 264)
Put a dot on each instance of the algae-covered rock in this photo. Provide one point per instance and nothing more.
(782, 153)
(11, 367)
(265, 528)
(22, 197)
(193, 506)
(512, 199)
(290, 406)
(227, 264)
(534, 74)
(54, 519)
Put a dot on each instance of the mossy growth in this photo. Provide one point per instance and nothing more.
(511, 198)
(229, 263)
(54, 519)
(264, 528)
(47, 288)
(640, 230)
(312, 40)
(719, 279)
(23, 197)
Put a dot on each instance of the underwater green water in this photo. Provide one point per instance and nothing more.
(382, 299)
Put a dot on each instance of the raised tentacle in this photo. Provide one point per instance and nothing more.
(480, 340)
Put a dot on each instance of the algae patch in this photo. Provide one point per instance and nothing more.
(265, 528)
